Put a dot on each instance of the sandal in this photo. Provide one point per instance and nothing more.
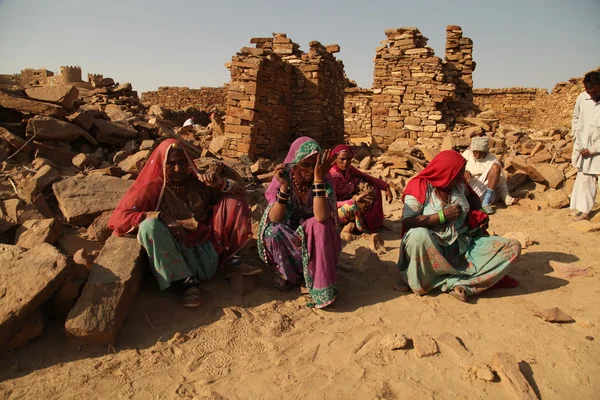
(191, 293)
(459, 293)
(402, 286)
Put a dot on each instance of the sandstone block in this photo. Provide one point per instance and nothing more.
(99, 230)
(115, 113)
(106, 298)
(46, 128)
(551, 174)
(32, 328)
(507, 367)
(43, 178)
(35, 232)
(394, 342)
(113, 132)
(27, 281)
(82, 199)
(81, 118)
(425, 346)
(14, 141)
(31, 106)
(64, 95)
(131, 163)
(557, 198)
(83, 161)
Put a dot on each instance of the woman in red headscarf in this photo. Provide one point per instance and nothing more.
(360, 206)
(189, 223)
(444, 243)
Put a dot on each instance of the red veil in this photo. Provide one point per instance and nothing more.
(146, 194)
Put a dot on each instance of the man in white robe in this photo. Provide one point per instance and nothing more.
(189, 121)
(585, 128)
(484, 174)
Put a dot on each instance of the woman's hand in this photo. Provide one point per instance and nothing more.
(361, 200)
(284, 185)
(452, 212)
(388, 195)
(176, 230)
(323, 165)
(212, 180)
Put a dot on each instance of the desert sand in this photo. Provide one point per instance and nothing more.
(269, 345)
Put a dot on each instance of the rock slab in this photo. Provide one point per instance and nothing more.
(507, 367)
(82, 199)
(106, 299)
(46, 128)
(26, 282)
(425, 346)
(64, 95)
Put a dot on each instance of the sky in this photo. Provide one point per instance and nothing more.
(151, 43)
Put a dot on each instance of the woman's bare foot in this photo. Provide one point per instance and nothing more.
(459, 293)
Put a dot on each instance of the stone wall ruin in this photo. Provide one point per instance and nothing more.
(277, 93)
(180, 98)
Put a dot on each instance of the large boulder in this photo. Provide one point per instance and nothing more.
(64, 95)
(551, 174)
(26, 282)
(30, 106)
(81, 118)
(46, 128)
(130, 164)
(115, 113)
(106, 299)
(82, 199)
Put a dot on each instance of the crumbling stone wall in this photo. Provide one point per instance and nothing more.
(179, 98)
(277, 93)
(409, 89)
(516, 106)
(458, 70)
(357, 113)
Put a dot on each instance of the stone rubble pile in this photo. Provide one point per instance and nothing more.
(66, 161)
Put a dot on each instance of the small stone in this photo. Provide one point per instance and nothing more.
(557, 199)
(83, 161)
(394, 341)
(567, 271)
(584, 226)
(425, 346)
(484, 373)
(590, 338)
(553, 315)
(521, 237)
(366, 163)
(507, 367)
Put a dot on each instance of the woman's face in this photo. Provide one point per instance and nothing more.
(176, 166)
(305, 169)
(460, 177)
(343, 160)
(479, 154)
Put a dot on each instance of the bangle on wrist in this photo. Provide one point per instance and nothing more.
(281, 200)
(442, 217)
(318, 185)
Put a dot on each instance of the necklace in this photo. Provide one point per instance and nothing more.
(298, 187)
(178, 187)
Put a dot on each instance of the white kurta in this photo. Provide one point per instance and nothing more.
(479, 170)
(585, 128)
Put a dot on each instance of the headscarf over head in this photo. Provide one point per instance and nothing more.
(302, 148)
(480, 143)
(147, 191)
(439, 173)
(342, 148)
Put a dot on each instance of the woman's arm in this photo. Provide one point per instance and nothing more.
(277, 212)
(321, 209)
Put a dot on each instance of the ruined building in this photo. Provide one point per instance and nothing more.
(277, 90)
(415, 94)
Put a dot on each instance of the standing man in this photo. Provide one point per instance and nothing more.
(585, 127)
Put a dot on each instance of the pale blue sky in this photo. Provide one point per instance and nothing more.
(531, 43)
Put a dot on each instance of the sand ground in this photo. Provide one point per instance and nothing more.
(268, 345)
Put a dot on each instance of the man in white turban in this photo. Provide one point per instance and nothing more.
(484, 174)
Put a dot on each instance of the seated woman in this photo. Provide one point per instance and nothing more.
(358, 194)
(484, 174)
(188, 223)
(298, 233)
(444, 243)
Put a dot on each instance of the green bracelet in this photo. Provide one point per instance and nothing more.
(442, 217)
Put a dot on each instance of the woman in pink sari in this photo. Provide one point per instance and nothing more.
(298, 233)
(358, 194)
(189, 223)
